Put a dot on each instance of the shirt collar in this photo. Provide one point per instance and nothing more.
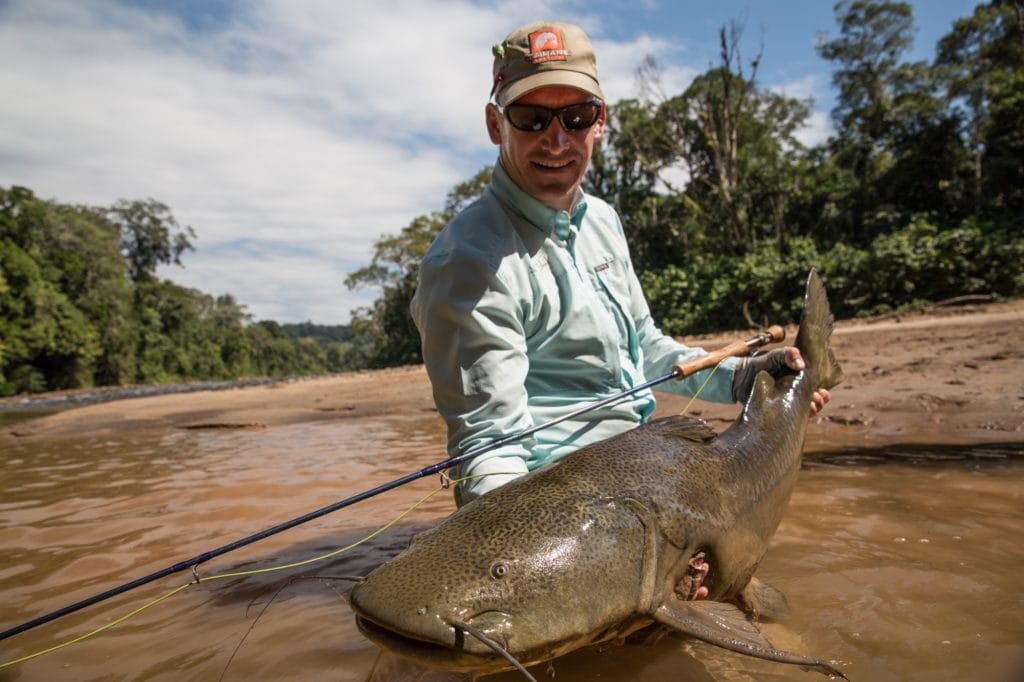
(546, 219)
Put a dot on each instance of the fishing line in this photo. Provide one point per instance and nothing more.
(700, 390)
(233, 574)
(676, 373)
(494, 646)
(709, 360)
(88, 635)
(446, 482)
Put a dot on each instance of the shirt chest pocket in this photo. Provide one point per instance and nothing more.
(609, 277)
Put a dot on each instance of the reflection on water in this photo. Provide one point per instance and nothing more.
(900, 569)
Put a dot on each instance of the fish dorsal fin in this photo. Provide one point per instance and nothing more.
(684, 427)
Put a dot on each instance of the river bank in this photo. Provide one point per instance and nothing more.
(937, 376)
(61, 400)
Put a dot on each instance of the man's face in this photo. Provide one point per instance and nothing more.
(548, 165)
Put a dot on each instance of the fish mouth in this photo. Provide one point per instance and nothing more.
(453, 656)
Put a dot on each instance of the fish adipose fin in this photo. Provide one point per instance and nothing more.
(725, 625)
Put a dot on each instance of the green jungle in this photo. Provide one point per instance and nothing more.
(916, 198)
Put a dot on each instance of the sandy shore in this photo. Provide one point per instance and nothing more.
(939, 376)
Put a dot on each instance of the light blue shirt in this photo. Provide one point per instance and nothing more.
(528, 313)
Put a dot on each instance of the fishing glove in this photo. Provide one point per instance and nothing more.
(772, 361)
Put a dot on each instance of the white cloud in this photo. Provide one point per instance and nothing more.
(314, 126)
(813, 87)
(280, 280)
(618, 63)
(818, 129)
(289, 135)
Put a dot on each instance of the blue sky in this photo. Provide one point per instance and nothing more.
(292, 134)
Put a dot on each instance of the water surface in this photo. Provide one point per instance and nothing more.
(898, 568)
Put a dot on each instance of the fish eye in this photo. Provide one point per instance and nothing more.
(499, 569)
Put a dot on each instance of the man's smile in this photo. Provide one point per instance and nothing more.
(554, 165)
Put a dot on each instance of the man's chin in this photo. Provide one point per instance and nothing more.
(559, 195)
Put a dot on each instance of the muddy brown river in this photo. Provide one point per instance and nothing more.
(897, 567)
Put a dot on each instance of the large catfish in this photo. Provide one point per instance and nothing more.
(606, 542)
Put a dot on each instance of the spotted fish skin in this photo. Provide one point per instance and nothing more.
(598, 546)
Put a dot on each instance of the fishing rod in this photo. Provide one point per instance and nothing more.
(679, 371)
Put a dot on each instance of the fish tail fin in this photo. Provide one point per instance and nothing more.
(815, 331)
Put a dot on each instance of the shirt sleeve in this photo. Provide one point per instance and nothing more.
(474, 349)
(661, 352)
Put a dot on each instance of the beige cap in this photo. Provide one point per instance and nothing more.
(540, 54)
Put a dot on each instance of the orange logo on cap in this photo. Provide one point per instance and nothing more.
(546, 45)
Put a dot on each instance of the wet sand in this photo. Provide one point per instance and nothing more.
(940, 376)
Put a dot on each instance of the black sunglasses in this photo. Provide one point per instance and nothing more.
(534, 119)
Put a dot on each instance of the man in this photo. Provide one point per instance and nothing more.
(527, 304)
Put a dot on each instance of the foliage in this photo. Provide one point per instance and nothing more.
(923, 262)
(80, 305)
(916, 264)
(879, 95)
(979, 63)
(48, 266)
(729, 293)
(633, 171)
(385, 332)
(918, 196)
(713, 167)
(146, 237)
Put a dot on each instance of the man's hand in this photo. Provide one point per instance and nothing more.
(773, 362)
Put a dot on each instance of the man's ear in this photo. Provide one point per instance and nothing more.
(601, 120)
(493, 123)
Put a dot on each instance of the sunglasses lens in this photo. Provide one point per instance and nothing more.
(579, 116)
(534, 119)
(529, 118)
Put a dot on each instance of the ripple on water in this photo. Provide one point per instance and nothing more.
(902, 569)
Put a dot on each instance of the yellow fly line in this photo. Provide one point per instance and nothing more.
(297, 564)
(700, 390)
(233, 574)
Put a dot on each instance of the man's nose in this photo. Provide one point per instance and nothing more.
(555, 136)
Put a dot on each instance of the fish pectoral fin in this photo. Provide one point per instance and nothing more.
(763, 602)
(714, 622)
(725, 625)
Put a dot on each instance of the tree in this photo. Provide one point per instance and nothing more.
(71, 316)
(82, 246)
(1003, 179)
(872, 84)
(711, 169)
(150, 236)
(51, 261)
(700, 132)
(718, 101)
(387, 326)
(980, 62)
(630, 170)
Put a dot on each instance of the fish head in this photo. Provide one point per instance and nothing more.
(481, 582)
